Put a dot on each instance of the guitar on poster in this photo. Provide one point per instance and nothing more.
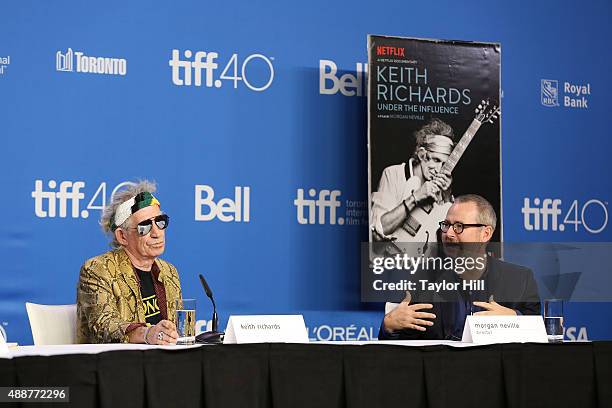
(421, 223)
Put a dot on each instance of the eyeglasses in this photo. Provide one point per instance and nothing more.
(458, 227)
(144, 227)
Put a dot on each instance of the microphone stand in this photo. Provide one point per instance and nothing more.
(214, 336)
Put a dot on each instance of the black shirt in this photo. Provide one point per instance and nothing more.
(149, 298)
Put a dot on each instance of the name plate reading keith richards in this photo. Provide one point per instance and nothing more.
(504, 329)
(266, 329)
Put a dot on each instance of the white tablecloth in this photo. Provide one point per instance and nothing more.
(20, 351)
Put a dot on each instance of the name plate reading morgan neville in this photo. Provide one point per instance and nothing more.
(504, 329)
(266, 329)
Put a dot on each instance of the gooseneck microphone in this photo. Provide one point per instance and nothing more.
(215, 318)
(213, 336)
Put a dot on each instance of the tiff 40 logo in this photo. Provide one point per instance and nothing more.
(64, 198)
(545, 214)
(196, 69)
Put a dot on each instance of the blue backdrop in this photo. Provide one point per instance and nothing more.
(252, 95)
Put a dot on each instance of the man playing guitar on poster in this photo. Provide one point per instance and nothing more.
(413, 197)
(405, 187)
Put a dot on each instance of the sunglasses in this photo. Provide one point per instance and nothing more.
(144, 227)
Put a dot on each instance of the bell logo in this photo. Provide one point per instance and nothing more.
(226, 210)
(347, 84)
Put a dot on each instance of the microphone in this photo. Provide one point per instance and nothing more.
(215, 319)
(213, 336)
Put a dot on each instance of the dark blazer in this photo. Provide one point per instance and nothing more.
(512, 286)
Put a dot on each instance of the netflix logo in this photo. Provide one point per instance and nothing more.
(387, 50)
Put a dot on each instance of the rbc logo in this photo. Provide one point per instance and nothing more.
(226, 210)
(550, 92)
(307, 209)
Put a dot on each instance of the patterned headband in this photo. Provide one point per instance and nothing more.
(126, 209)
(439, 144)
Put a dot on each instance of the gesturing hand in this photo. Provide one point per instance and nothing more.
(407, 316)
(493, 309)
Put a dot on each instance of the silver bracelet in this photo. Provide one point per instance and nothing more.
(146, 333)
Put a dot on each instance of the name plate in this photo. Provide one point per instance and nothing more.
(504, 329)
(266, 329)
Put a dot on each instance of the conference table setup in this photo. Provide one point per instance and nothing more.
(396, 204)
(321, 374)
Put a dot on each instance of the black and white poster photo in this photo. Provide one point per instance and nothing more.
(434, 133)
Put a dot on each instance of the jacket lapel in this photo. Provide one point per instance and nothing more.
(127, 273)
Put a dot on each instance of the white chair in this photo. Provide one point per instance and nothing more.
(52, 324)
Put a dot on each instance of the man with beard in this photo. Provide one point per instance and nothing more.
(466, 231)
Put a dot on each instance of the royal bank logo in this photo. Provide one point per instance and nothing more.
(77, 61)
(4, 63)
(573, 95)
(549, 92)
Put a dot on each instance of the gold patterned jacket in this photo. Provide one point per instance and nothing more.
(109, 299)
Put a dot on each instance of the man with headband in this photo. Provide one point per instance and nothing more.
(408, 186)
(128, 294)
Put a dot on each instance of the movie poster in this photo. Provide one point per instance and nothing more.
(433, 133)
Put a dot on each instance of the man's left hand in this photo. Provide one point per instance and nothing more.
(493, 309)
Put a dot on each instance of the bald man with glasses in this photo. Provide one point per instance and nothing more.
(129, 294)
(508, 289)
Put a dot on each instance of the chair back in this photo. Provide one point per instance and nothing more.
(52, 324)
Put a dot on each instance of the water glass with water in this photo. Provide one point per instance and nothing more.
(185, 321)
(553, 320)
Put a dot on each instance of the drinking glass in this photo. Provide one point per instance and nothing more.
(553, 320)
(185, 321)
